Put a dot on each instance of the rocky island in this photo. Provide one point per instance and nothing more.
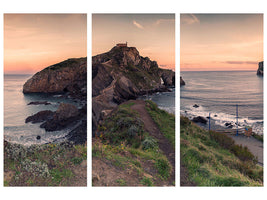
(260, 69)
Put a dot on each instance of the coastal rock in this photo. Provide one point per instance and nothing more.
(67, 76)
(40, 116)
(195, 106)
(181, 81)
(39, 103)
(65, 115)
(200, 119)
(122, 74)
(260, 69)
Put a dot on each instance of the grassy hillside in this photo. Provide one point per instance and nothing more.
(213, 159)
(125, 146)
(45, 165)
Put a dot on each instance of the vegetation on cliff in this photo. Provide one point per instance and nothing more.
(127, 152)
(122, 74)
(63, 164)
(213, 159)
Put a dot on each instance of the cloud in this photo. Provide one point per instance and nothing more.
(160, 21)
(241, 62)
(189, 19)
(138, 25)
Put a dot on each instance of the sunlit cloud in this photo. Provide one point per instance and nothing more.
(189, 19)
(161, 21)
(241, 62)
(138, 25)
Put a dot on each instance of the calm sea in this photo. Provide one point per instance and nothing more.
(218, 93)
(164, 100)
(16, 111)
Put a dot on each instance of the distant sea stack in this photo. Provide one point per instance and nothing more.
(67, 76)
(122, 74)
(260, 69)
(181, 81)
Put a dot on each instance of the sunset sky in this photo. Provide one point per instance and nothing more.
(221, 42)
(152, 34)
(35, 41)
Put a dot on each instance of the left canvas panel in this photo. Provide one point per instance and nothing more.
(45, 99)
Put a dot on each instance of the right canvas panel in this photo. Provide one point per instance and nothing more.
(221, 99)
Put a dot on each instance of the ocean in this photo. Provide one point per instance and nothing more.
(219, 93)
(164, 100)
(16, 111)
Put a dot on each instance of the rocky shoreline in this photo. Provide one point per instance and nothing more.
(69, 79)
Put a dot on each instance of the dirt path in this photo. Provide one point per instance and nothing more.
(255, 146)
(153, 130)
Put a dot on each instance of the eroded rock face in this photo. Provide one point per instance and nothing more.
(122, 74)
(67, 76)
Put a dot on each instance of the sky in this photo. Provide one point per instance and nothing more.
(220, 42)
(35, 41)
(152, 34)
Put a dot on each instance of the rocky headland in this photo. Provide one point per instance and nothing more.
(122, 74)
(68, 78)
(260, 69)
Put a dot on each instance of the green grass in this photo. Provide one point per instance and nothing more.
(213, 159)
(164, 120)
(124, 143)
(42, 165)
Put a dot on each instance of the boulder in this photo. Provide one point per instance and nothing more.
(40, 116)
(200, 119)
(195, 106)
(64, 116)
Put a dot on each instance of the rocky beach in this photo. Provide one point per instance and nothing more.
(60, 92)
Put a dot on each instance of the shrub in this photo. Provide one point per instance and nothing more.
(149, 143)
(147, 181)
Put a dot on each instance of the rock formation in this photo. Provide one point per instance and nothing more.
(122, 74)
(260, 69)
(67, 76)
(181, 81)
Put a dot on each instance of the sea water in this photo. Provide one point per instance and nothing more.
(164, 100)
(16, 111)
(218, 94)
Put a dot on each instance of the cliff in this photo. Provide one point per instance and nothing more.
(260, 69)
(122, 74)
(67, 76)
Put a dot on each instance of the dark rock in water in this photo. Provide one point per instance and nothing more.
(185, 111)
(66, 114)
(208, 117)
(195, 106)
(181, 81)
(40, 116)
(260, 69)
(215, 116)
(39, 103)
(227, 124)
(38, 137)
(200, 119)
